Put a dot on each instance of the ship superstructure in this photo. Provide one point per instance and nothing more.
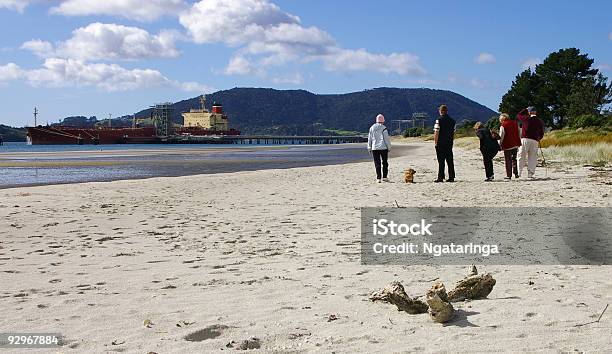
(198, 122)
(202, 118)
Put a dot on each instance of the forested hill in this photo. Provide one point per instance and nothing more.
(269, 111)
(12, 134)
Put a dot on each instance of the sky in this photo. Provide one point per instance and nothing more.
(92, 57)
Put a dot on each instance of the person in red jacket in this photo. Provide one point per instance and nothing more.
(532, 132)
(510, 141)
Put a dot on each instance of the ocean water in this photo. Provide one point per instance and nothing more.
(24, 165)
(23, 147)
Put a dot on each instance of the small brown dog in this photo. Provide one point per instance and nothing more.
(409, 175)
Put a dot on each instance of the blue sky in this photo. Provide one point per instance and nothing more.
(91, 57)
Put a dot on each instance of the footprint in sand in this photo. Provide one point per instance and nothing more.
(209, 332)
(530, 314)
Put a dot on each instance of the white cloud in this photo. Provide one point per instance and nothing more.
(360, 59)
(58, 72)
(110, 77)
(17, 5)
(138, 10)
(604, 67)
(101, 41)
(38, 47)
(10, 72)
(239, 65)
(286, 42)
(232, 21)
(610, 36)
(485, 58)
(530, 63)
(264, 35)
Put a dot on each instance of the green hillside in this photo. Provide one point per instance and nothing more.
(270, 111)
(12, 134)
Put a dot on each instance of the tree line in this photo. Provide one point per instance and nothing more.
(566, 90)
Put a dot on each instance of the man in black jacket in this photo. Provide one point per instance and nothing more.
(444, 133)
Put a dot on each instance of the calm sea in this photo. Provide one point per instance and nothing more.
(23, 165)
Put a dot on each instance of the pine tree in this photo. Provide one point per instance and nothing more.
(564, 86)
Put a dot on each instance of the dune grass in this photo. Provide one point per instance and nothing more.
(582, 147)
(598, 154)
(592, 146)
(565, 137)
(469, 143)
(581, 152)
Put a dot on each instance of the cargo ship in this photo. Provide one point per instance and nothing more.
(196, 122)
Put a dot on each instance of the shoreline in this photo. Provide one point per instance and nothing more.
(171, 149)
(273, 254)
(421, 150)
(146, 164)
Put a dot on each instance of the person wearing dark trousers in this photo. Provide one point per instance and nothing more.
(444, 133)
(379, 146)
(381, 156)
(488, 147)
(509, 141)
(510, 162)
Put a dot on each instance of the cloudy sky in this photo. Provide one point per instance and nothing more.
(95, 57)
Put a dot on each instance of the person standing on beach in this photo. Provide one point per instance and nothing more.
(444, 132)
(379, 146)
(488, 147)
(509, 141)
(532, 132)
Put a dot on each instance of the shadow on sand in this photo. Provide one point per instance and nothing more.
(461, 319)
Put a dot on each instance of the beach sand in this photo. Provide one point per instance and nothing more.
(274, 255)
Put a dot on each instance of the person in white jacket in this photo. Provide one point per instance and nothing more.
(379, 146)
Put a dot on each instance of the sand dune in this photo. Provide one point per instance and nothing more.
(209, 261)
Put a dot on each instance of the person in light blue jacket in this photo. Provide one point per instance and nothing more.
(379, 146)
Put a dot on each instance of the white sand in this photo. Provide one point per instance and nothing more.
(272, 254)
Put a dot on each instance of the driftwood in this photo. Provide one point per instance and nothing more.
(438, 304)
(395, 294)
(440, 309)
(472, 287)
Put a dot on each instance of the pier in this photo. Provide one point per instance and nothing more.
(262, 139)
